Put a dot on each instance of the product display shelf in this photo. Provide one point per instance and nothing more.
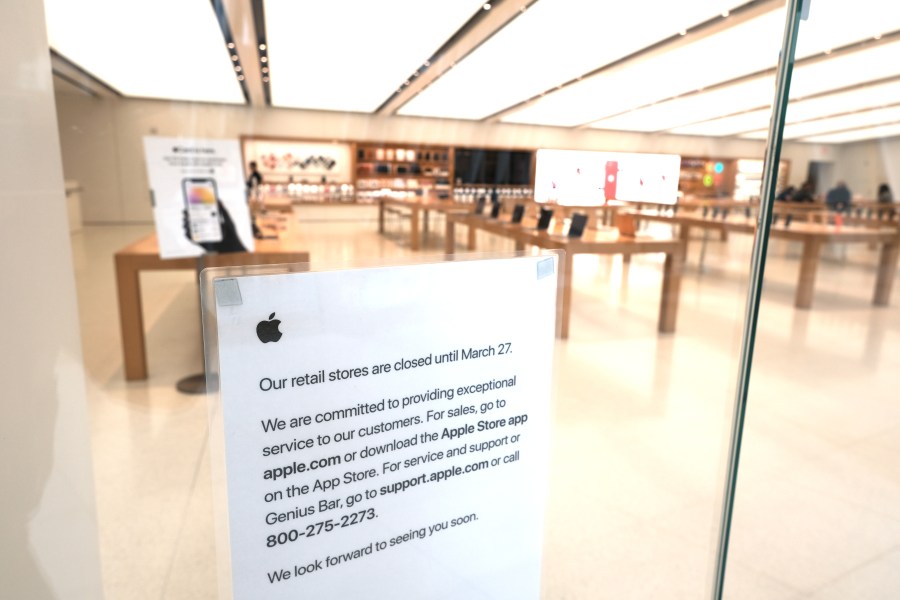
(402, 171)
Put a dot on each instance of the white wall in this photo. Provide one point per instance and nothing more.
(866, 165)
(48, 530)
(101, 140)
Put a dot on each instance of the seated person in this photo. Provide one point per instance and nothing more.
(838, 198)
(787, 194)
(805, 193)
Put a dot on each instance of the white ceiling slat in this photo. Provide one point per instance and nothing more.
(858, 135)
(167, 49)
(331, 56)
(552, 42)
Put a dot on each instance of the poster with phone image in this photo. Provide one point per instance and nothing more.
(202, 210)
(199, 196)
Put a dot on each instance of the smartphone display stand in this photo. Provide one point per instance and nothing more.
(479, 206)
(518, 213)
(544, 220)
(576, 227)
(495, 210)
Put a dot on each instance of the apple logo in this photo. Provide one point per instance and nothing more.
(267, 331)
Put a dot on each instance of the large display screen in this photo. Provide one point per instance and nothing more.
(500, 167)
(586, 178)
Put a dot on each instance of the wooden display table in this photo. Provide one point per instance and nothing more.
(143, 255)
(594, 241)
(417, 210)
(812, 236)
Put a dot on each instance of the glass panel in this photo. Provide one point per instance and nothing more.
(393, 131)
(819, 484)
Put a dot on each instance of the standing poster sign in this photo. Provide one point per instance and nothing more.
(199, 196)
(382, 435)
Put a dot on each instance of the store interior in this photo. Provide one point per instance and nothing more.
(475, 95)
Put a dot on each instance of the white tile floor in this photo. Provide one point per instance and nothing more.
(640, 432)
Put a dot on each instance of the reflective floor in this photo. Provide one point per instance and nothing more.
(640, 433)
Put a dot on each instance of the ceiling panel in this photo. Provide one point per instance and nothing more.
(710, 60)
(688, 109)
(331, 56)
(868, 118)
(858, 135)
(843, 70)
(552, 42)
(748, 47)
(800, 110)
(170, 49)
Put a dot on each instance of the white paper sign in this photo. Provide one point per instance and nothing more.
(199, 196)
(386, 430)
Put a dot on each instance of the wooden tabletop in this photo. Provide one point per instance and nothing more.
(603, 240)
(149, 247)
(798, 230)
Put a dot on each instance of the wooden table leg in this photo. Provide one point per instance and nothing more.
(807, 280)
(471, 239)
(565, 296)
(380, 216)
(424, 224)
(520, 246)
(414, 228)
(131, 319)
(887, 269)
(671, 290)
(450, 236)
(684, 234)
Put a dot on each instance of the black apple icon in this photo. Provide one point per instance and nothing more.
(267, 331)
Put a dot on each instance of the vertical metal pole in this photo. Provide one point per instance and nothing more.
(760, 245)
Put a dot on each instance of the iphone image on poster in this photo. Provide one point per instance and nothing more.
(201, 204)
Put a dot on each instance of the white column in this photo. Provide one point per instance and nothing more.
(48, 533)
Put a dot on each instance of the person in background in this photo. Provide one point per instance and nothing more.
(255, 179)
(884, 194)
(806, 193)
(838, 197)
(787, 194)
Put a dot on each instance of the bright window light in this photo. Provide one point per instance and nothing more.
(857, 120)
(169, 49)
(871, 133)
(328, 56)
(549, 44)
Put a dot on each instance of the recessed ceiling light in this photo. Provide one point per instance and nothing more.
(726, 13)
(230, 45)
(262, 46)
(240, 77)
(265, 69)
(238, 68)
(486, 6)
(234, 57)
(682, 32)
(263, 59)
(265, 79)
